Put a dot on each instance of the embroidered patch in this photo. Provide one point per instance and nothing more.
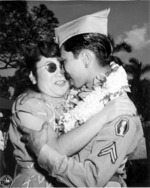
(111, 150)
(122, 127)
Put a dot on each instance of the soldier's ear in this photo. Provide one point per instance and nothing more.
(32, 78)
(86, 56)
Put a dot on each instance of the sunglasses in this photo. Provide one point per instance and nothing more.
(50, 67)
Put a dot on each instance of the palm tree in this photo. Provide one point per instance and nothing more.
(144, 99)
(138, 85)
(118, 47)
(137, 69)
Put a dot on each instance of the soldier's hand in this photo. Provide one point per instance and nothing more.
(120, 106)
(122, 170)
(35, 140)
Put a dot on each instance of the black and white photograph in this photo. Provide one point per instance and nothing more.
(74, 93)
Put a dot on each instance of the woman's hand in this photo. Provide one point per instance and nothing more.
(120, 106)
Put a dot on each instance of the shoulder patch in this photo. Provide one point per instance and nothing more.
(122, 127)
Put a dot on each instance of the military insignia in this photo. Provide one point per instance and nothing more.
(111, 150)
(5, 181)
(122, 127)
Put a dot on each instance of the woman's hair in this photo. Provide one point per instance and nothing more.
(31, 56)
(98, 43)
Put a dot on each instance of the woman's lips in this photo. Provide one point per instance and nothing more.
(60, 82)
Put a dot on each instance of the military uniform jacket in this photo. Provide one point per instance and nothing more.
(114, 142)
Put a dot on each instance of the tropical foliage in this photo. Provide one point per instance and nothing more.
(140, 86)
(119, 47)
(20, 28)
(5, 83)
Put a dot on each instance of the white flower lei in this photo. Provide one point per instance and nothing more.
(77, 112)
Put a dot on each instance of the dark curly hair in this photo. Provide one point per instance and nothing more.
(96, 42)
(31, 56)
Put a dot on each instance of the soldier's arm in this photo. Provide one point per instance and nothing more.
(109, 150)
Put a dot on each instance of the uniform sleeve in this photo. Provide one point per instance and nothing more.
(141, 151)
(116, 141)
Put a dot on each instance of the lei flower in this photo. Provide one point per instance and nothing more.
(105, 89)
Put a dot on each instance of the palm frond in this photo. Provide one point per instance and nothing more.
(145, 69)
(123, 46)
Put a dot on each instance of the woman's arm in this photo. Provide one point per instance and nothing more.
(73, 141)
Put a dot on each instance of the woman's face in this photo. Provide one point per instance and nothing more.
(50, 78)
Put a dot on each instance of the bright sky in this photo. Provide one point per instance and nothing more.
(128, 20)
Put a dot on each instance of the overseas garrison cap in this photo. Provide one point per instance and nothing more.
(93, 23)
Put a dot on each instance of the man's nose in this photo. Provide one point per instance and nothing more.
(67, 76)
(61, 71)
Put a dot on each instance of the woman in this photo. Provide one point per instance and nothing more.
(44, 74)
